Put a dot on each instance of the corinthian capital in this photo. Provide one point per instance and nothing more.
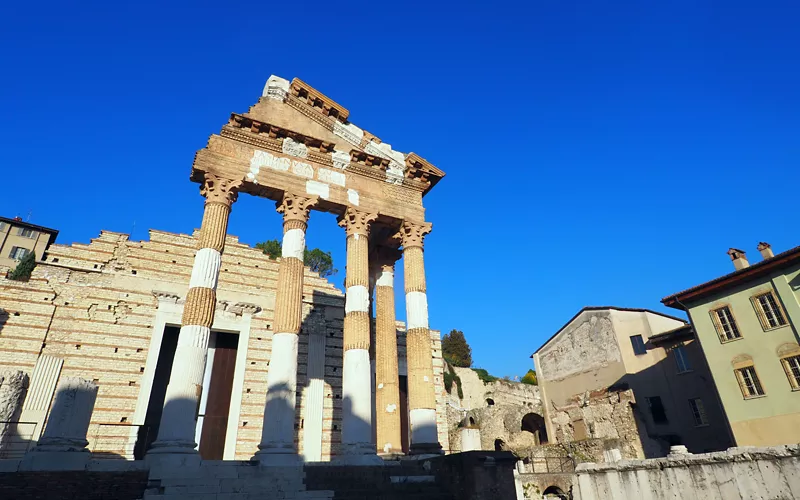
(296, 209)
(356, 222)
(411, 234)
(219, 189)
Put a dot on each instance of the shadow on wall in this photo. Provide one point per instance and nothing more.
(662, 410)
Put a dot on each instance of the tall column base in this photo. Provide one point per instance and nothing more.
(424, 434)
(357, 447)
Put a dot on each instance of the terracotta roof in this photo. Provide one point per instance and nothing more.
(739, 276)
(604, 308)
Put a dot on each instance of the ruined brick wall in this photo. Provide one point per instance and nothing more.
(599, 415)
(96, 305)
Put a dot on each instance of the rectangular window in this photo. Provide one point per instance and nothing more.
(2, 227)
(638, 345)
(749, 383)
(792, 367)
(657, 410)
(769, 311)
(681, 360)
(26, 232)
(698, 411)
(18, 252)
(725, 324)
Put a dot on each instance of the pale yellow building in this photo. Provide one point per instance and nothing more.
(747, 323)
(18, 238)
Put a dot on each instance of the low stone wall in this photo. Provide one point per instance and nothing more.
(739, 473)
(73, 484)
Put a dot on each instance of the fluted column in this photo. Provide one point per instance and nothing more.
(356, 376)
(277, 445)
(421, 391)
(387, 387)
(178, 420)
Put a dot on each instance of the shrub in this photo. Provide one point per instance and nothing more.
(24, 269)
(530, 378)
(484, 375)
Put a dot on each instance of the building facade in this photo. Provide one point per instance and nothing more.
(747, 323)
(18, 238)
(110, 312)
(603, 352)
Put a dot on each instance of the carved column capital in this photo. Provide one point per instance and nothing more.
(411, 234)
(356, 222)
(220, 190)
(295, 209)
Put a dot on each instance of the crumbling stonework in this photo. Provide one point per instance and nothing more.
(13, 387)
(600, 415)
(497, 409)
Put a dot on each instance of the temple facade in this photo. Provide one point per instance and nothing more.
(223, 332)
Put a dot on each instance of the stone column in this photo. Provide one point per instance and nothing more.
(63, 444)
(277, 435)
(387, 388)
(421, 392)
(356, 377)
(13, 387)
(178, 421)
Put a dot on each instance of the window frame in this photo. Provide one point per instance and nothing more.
(757, 384)
(22, 230)
(634, 346)
(718, 324)
(685, 357)
(762, 314)
(699, 413)
(794, 378)
(15, 249)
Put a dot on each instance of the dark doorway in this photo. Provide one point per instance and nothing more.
(499, 445)
(534, 423)
(404, 432)
(218, 403)
(149, 431)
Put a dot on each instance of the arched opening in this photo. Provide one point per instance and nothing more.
(534, 423)
(499, 445)
(554, 492)
(471, 421)
(489, 402)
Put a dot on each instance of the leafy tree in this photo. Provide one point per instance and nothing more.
(530, 378)
(320, 262)
(270, 247)
(24, 269)
(317, 260)
(455, 349)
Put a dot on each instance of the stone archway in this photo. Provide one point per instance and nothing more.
(534, 423)
(554, 492)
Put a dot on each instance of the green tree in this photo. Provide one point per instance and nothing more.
(455, 349)
(24, 269)
(530, 378)
(317, 260)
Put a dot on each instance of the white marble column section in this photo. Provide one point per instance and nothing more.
(176, 432)
(314, 397)
(69, 417)
(277, 446)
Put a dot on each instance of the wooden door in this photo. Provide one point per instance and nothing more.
(215, 420)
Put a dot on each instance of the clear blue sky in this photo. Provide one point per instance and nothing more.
(597, 153)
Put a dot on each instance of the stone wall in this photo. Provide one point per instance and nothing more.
(73, 484)
(96, 307)
(511, 402)
(739, 473)
(600, 415)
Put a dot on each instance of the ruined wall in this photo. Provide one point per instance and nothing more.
(600, 415)
(502, 420)
(97, 306)
(736, 474)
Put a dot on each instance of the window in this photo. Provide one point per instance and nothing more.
(749, 383)
(638, 345)
(725, 324)
(792, 367)
(681, 360)
(769, 311)
(2, 226)
(18, 252)
(26, 232)
(657, 410)
(698, 411)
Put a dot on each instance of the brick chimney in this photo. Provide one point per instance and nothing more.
(739, 258)
(766, 250)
